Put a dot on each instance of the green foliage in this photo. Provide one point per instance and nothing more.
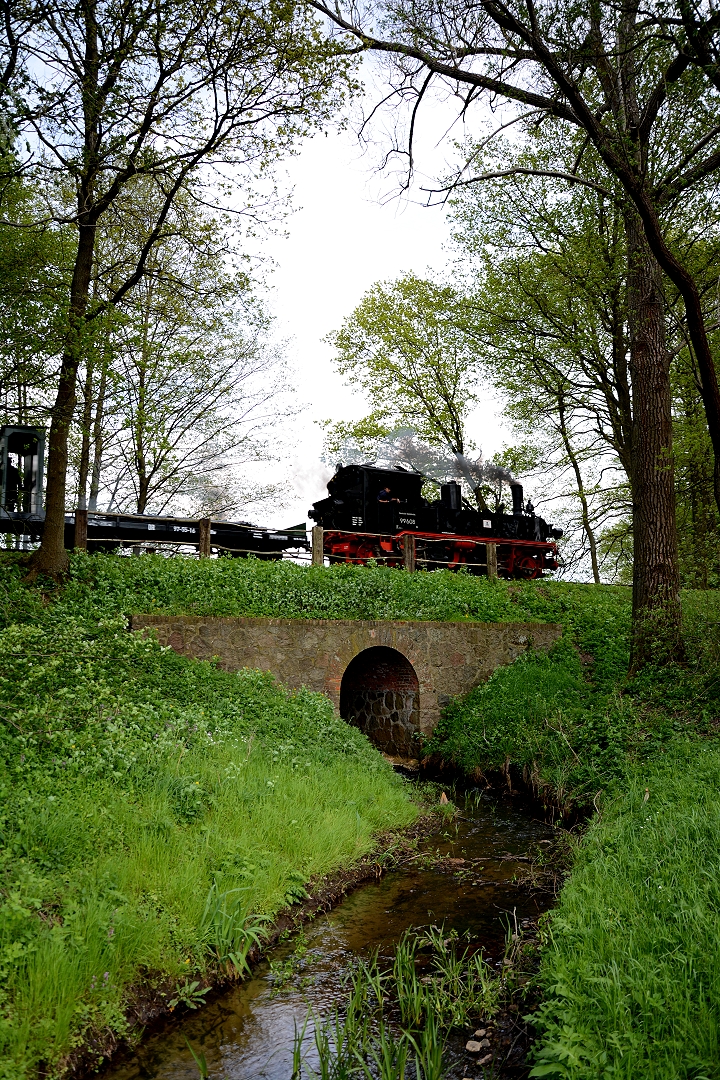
(697, 513)
(102, 586)
(155, 813)
(33, 278)
(392, 1017)
(570, 720)
(629, 970)
(407, 346)
(542, 717)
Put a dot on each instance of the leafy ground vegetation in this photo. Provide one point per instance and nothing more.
(155, 809)
(395, 1020)
(630, 973)
(102, 586)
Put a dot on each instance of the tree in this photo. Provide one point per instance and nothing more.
(32, 281)
(160, 91)
(178, 383)
(406, 347)
(638, 88)
(546, 271)
(193, 395)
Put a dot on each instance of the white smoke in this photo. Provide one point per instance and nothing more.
(310, 479)
(402, 448)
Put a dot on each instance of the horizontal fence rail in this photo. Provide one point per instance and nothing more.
(407, 550)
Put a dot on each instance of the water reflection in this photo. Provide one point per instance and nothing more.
(247, 1034)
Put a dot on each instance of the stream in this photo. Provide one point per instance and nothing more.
(247, 1033)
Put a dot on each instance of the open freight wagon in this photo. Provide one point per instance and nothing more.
(22, 454)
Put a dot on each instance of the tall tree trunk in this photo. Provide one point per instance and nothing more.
(656, 578)
(585, 509)
(51, 558)
(84, 467)
(697, 332)
(97, 439)
(140, 456)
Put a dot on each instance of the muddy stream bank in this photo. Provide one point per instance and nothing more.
(464, 877)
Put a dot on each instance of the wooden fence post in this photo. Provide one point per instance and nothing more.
(491, 559)
(204, 530)
(318, 554)
(409, 551)
(81, 523)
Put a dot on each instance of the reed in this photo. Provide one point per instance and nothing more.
(394, 1022)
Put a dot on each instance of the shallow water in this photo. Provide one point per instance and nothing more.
(247, 1033)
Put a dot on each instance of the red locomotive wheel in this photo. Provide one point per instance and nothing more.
(526, 566)
(367, 551)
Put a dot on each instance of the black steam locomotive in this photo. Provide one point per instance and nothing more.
(370, 511)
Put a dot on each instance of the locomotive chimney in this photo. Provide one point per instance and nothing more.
(450, 495)
(517, 498)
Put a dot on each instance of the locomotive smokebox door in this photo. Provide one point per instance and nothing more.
(22, 461)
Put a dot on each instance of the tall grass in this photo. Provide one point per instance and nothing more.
(631, 968)
(395, 1021)
(156, 811)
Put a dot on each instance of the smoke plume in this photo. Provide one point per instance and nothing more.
(403, 448)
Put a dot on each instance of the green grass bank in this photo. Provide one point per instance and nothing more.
(103, 586)
(154, 812)
(630, 974)
(151, 804)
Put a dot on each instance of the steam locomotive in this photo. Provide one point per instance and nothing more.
(369, 511)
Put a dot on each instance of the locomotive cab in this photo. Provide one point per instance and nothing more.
(364, 498)
(22, 451)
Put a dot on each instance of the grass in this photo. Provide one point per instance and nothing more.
(630, 975)
(395, 1020)
(155, 812)
(570, 721)
(103, 586)
(631, 970)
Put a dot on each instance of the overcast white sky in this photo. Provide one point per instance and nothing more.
(341, 240)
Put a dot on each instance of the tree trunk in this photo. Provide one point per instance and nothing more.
(585, 509)
(686, 286)
(51, 558)
(84, 467)
(97, 438)
(140, 456)
(656, 579)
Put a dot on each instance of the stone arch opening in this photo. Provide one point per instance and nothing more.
(380, 694)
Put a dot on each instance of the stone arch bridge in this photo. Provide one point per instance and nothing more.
(391, 679)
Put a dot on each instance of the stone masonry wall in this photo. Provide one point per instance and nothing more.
(449, 658)
(380, 695)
